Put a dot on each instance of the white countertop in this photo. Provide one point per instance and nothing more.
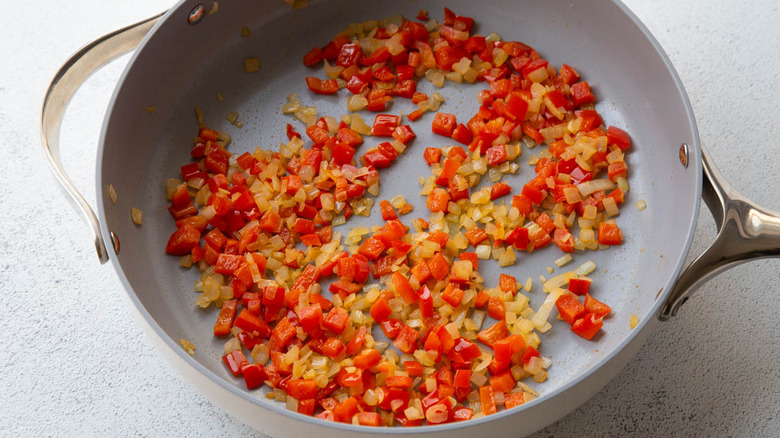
(73, 358)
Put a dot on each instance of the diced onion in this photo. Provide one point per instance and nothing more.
(610, 207)
(538, 75)
(251, 65)
(586, 268)
(188, 346)
(137, 215)
(592, 186)
(356, 102)
(332, 71)
(622, 183)
(112, 194)
(563, 260)
(557, 281)
(540, 318)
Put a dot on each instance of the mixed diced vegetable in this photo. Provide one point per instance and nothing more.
(394, 323)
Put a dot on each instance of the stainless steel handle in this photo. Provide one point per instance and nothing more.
(62, 88)
(746, 232)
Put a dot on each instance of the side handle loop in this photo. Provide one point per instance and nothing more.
(62, 88)
(746, 232)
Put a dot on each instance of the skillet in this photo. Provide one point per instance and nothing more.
(180, 65)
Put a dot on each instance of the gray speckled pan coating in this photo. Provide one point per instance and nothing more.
(180, 66)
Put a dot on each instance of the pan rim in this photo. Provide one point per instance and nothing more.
(695, 164)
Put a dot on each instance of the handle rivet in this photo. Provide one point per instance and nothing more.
(684, 155)
(196, 14)
(114, 241)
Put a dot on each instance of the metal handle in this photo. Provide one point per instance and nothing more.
(746, 232)
(62, 88)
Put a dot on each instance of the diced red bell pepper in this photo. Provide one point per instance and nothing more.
(421, 271)
(310, 317)
(380, 310)
(587, 326)
(516, 107)
(301, 389)
(596, 307)
(376, 158)
(369, 419)
(270, 222)
(438, 266)
(487, 400)
(452, 295)
(189, 171)
(403, 288)
(502, 382)
(284, 332)
(513, 399)
(319, 86)
(336, 320)
(564, 240)
(384, 125)
(579, 286)
(618, 137)
(413, 368)
(475, 236)
(371, 248)
(444, 124)
(306, 406)
(493, 333)
(379, 55)
(462, 134)
(466, 349)
(367, 358)
(273, 296)
(438, 199)
(609, 234)
(235, 361)
(569, 308)
(533, 194)
(425, 301)
(533, 133)
(590, 119)
(568, 74)
(616, 170)
(507, 283)
(391, 327)
(254, 375)
(406, 340)
(404, 134)
(448, 171)
(225, 318)
(388, 212)
(496, 155)
(496, 308)
(227, 263)
(481, 300)
(350, 54)
(432, 155)
(581, 94)
(404, 382)
(313, 57)
(533, 66)
(475, 44)
(333, 347)
(183, 240)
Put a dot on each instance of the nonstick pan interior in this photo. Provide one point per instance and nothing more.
(183, 65)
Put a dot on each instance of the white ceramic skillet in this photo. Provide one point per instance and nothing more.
(181, 62)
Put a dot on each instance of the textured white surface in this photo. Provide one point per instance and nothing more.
(74, 361)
